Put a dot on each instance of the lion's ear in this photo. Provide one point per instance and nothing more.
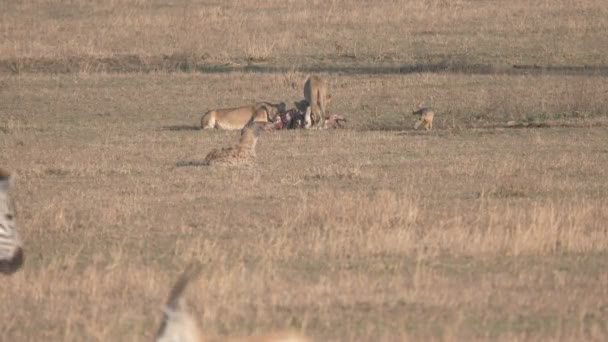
(263, 111)
(271, 112)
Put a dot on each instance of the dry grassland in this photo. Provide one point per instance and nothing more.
(490, 227)
(90, 36)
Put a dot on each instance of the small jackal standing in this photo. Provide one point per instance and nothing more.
(425, 116)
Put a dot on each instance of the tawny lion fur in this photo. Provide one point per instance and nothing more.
(178, 325)
(242, 153)
(316, 94)
(237, 118)
(425, 116)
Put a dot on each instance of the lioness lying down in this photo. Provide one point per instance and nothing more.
(242, 153)
(237, 118)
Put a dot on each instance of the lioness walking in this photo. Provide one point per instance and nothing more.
(237, 118)
(178, 325)
(241, 154)
(316, 94)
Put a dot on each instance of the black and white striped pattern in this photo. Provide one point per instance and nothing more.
(11, 251)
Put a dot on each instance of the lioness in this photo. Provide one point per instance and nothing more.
(178, 325)
(237, 118)
(316, 94)
(241, 154)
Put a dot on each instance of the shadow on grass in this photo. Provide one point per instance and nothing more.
(442, 67)
(190, 163)
(556, 124)
(178, 128)
(330, 64)
(488, 128)
(423, 133)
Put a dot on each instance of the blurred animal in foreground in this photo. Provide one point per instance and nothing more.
(11, 249)
(178, 325)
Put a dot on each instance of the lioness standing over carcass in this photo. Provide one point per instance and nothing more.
(241, 154)
(237, 118)
(316, 93)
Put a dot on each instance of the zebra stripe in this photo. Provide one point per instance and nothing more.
(11, 250)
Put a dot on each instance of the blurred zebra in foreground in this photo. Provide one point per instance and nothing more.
(11, 251)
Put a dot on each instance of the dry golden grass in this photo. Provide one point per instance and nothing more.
(472, 231)
(490, 227)
(301, 33)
